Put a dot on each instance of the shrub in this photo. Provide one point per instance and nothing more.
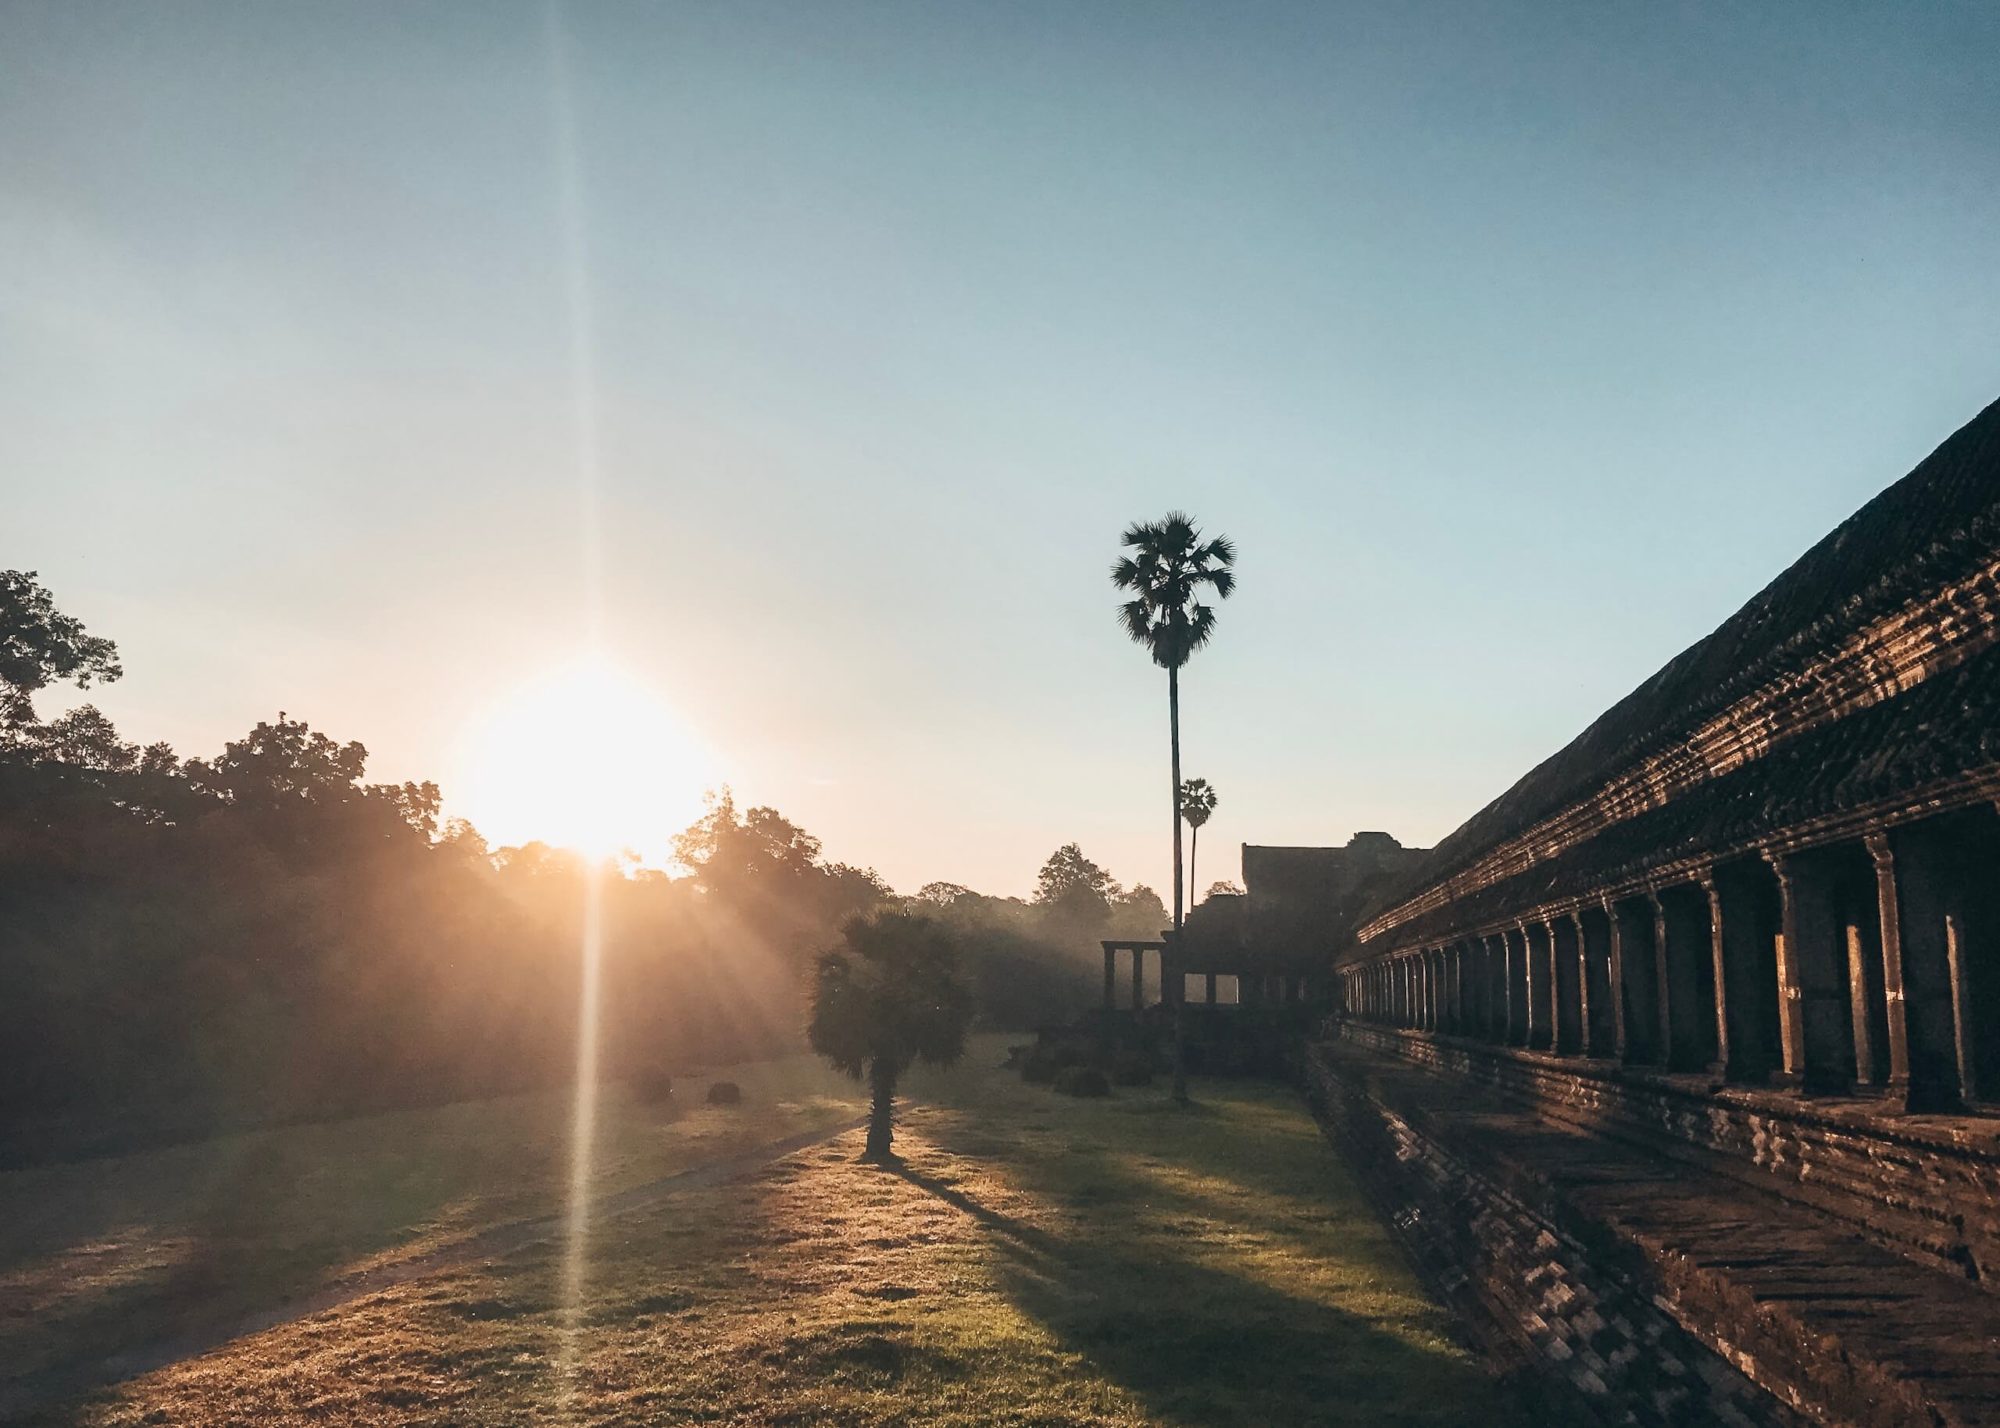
(652, 1085)
(725, 1093)
(1072, 1053)
(1131, 1068)
(1039, 1068)
(1082, 1081)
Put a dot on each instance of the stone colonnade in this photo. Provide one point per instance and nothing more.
(1866, 963)
(1252, 989)
(1138, 951)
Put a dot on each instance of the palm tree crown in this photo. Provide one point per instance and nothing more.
(1167, 571)
(1197, 801)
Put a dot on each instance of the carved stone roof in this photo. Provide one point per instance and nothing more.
(1857, 673)
(1302, 903)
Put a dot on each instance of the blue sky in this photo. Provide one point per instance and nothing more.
(1515, 345)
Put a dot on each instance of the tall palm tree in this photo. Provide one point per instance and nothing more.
(1197, 802)
(1167, 570)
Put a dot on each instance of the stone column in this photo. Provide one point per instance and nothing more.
(1461, 1023)
(1570, 995)
(1209, 988)
(1585, 1041)
(1791, 988)
(1719, 1067)
(1660, 962)
(1110, 979)
(1855, 945)
(1138, 979)
(1541, 1031)
(1517, 988)
(1616, 952)
(1955, 952)
(1892, 964)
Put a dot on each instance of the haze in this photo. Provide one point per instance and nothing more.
(898, 314)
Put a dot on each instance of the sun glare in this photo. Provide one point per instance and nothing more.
(587, 757)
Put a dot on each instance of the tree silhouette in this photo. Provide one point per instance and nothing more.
(40, 646)
(891, 994)
(1197, 802)
(1072, 885)
(1167, 571)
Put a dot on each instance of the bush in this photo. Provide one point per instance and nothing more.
(1131, 1068)
(1039, 1068)
(1072, 1052)
(652, 1085)
(1082, 1081)
(725, 1093)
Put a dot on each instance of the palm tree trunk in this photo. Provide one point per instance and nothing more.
(881, 1109)
(1174, 727)
(1194, 851)
(1171, 973)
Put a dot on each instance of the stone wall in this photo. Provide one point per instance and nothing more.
(1537, 1292)
(1928, 1187)
(1658, 1254)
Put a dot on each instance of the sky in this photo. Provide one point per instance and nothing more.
(1515, 345)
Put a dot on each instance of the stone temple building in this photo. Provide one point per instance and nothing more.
(1675, 1063)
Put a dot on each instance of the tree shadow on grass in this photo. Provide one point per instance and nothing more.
(1197, 1339)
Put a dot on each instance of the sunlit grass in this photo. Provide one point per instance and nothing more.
(102, 1255)
(1036, 1260)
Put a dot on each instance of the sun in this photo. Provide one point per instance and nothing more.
(583, 756)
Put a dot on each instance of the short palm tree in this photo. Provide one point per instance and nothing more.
(1167, 570)
(1197, 802)
(890, 994)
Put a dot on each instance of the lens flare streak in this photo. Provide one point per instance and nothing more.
(583, 1136)
(583, 388)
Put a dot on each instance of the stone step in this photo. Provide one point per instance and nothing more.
(1843, 1327)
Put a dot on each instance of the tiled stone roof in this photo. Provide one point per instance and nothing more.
(1935, 527)
(1928, 737)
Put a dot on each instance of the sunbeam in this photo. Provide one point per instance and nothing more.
(583, 401)
(583, 1137)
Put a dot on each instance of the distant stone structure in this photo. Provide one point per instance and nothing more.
(1299, 907)
(1675, 1063)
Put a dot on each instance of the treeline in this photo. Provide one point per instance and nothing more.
(188, 943)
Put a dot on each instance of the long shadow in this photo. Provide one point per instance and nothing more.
(99, 1354)
(1028, 1237)
(1197, 1342)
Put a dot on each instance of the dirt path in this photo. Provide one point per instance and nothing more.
(501, 1240)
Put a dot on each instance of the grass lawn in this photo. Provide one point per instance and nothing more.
(1035, 1260)
(101, 1255)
